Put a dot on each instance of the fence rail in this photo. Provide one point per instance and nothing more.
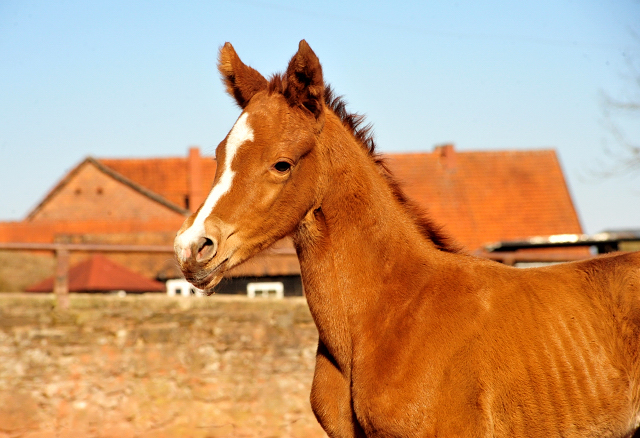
(86, 247)
(62, 251)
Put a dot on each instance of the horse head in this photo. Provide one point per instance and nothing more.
(267, 173)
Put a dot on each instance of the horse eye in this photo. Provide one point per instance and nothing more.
(282, 166)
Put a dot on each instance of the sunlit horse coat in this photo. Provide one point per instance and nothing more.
(417, 339)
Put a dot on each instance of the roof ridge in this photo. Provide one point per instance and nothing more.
(65, 179)
(474, 151)
(172, 157)
(138, 187)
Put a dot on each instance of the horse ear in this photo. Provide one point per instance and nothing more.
(242, 81)
(303, 83)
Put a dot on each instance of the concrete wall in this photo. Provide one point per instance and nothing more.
(153, 366)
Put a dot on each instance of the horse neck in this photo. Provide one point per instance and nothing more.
(356, 249)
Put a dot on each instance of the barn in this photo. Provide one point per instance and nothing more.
(478, 197)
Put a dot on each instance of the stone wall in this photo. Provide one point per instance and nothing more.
(153, 366)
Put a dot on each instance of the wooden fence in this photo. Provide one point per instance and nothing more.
(62, 251)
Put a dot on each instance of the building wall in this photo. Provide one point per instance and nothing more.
(57, 231)
(21, 269)
(91, 194)
(92, 207)
(160, 266)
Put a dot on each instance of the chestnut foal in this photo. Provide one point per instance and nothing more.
(416, 338)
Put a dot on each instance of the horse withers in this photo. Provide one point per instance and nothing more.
(416, 337)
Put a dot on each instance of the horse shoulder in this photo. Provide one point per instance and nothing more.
(405, 357)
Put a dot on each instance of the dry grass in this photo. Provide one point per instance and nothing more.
(19, 270)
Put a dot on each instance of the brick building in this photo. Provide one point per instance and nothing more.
(479, 197)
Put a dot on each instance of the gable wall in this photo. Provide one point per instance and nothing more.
(92, 195)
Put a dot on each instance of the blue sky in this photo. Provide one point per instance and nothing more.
(139, 79)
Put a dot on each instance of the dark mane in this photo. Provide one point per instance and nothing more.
(363, 133)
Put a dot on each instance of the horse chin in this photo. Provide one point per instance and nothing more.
(208, 278)
(209, 288)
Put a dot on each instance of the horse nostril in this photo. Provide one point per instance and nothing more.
(207, 248)
(184, 254)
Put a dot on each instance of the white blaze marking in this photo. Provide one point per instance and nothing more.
(240, 133)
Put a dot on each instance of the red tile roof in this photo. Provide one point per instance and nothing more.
(99, 274)
(168, 177)
(478, 196)
(486, 196)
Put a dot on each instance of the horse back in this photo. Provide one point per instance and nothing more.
(514, 352)
(565, 347)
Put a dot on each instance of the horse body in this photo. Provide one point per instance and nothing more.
(416, 338)
(451, 345)
(519, 361)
